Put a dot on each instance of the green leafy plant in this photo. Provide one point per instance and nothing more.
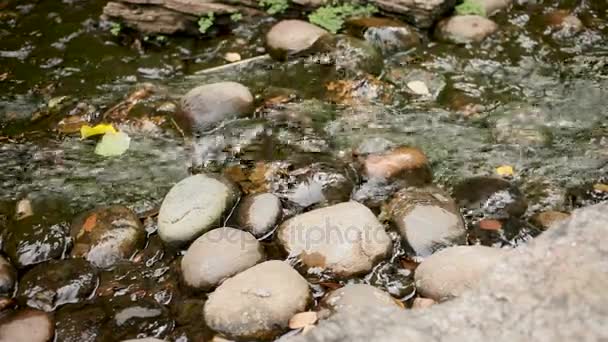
(236, 17)
(274, 6)
(471, 7)
(205, 22)
(332, 17)
(115, 29)
(161, 38)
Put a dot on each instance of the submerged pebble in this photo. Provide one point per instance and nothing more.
(259, 213)
(451, 271)
(490, 197)
(344, 239)
(219, 254)
(55, 283)
(193, 206)
(427, 218)
(107, 235)
(257, 303)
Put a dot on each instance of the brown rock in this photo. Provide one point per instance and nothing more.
(548, 219)
(291, 36)
(408, 163)
(420, 13)
(463, 29)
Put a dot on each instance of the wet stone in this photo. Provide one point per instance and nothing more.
(80, 323)
(8, 277)
(564, 22)
(259, 213)
(350, 57)
(189, 321)
(55, 283)
(257, 303)
(463, 29)
(344, 239)
(358, 296)
(419, 13)
(193, 206)
(501, 233)
(407, 164)
(527, 126)
(107, 235)
(316, 184)
(26, 325)
(291, 36)
(451, 271)
(133, 319)
(428, 219)
(490, 198)
(34, 240)
(422, 84)
(387, 35)
(219, 254)
(205, 106)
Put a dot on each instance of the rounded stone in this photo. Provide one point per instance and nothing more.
(463, 29)
(107, 235)
(428, 219)
(291, 36)
(55, 283)
(406, 163)
(344, 239)
(257, 303)
(219, 254)
(27, 325)
(387, 35)
(8, 277)
(207, 105)
(490, 197)
(451, 271)
(358, 296)
(259, 213)
(193, 206)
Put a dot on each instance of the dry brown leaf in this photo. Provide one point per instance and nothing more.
(490, 224)
(90, 223)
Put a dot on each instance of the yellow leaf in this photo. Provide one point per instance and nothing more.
(88, 131)
(505, 170)
(600, 187)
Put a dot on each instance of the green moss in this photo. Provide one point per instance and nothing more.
(274, 6)
(332, 17)
(471, 7)
(115, 29)
(205, 22)
(236, 17)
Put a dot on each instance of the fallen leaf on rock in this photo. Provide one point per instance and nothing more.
(113, 144)
(88, 131)
(303, 319)
(490, 224)
(90, 223)
(600, 187)
(505, 171)
(398, 302)
(419, 88)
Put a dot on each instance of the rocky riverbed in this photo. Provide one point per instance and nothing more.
(420, 170)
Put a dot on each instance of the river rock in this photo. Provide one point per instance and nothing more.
(450, 272)
(358, 295)
(463, 29)
(257, 303)
(490, 197)
(565, 22)
(561, 274)
(106, 235)
(387, 35)
(35, 239)
(26, 325)
(205, 106)
(288, 37)
(259, 213)
(428, 219)
(193, 206)
(420, 13)
(344, 239)
(420, 83)
(57, 282)
(408, 164)
(80, 322)
(351, 57)
(8, 277)
(219, 254)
